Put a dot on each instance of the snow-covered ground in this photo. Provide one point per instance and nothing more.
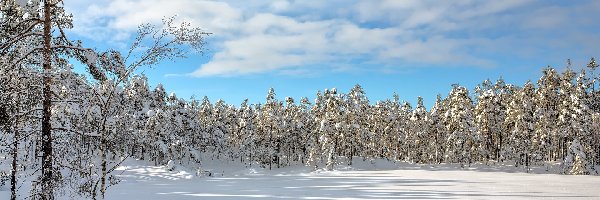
(381, 180)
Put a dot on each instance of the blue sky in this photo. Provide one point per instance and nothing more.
(412, 47)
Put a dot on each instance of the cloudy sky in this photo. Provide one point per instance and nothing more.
(414, 48)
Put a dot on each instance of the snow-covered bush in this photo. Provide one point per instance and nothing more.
(170, 165)
(576, 162)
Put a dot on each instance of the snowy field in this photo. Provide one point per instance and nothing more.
(363, 181)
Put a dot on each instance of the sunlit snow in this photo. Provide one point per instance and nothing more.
(381, 180)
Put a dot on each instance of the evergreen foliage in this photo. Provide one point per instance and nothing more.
(95, 124)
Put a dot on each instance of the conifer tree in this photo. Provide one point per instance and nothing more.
(406, 137)
(566, 126)
(356, 118)
(331, 126)
(314, 142)
(306, 125)
(437, 130)
(460, 125)
(594, 101)
(490, 114)
(546, 116)
(521, 125)
(18, 118)
(420, 122)
(576, 161)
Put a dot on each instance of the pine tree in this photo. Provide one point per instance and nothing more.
(419, 127)
(460, 126)
(487, 120)
(247, 131)
(438, 131)
(594, 102)
(27, 26)
(566, 122)
(521, 123)
(314, 142)
(582, 116)
(291, 132)
(490, 111)
(356, 118)
(307, 125)
(405, 136)
(546, 116)
(331, 127)
(219, 132)
(269, 131)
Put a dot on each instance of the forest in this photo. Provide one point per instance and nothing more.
(65, 132)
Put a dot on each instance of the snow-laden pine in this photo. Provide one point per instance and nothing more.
(64, 133)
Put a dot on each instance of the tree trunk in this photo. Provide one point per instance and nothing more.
(597, 153)
(13, 173)
(103, 165)
(47, 169)
(351, 152)
(499, 148)
(269, 148)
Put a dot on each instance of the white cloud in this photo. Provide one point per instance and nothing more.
(280, 5)
(291, 36)
(126, 15)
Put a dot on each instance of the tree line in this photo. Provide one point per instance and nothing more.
(555, 120)
(65, 133)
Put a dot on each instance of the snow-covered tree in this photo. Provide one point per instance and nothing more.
(269, 135)
(314, 143)
(490, 113)
(291, 133)
(576, 162)
(307, 125)
(594, 102)
(419, 127)
(437, 131)
(546, 116)
(331, 126)
(27, 39)
(19, 114)
(356, 121)
(247, 132)
(459, 120)
(566, 124)
(521, 125)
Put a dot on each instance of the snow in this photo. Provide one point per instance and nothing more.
(150, 113)
(376, 179)
(365, 179)
(170, 165)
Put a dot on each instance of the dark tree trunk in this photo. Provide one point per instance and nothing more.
(103, 165)
(47, 169)
(13, 173)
